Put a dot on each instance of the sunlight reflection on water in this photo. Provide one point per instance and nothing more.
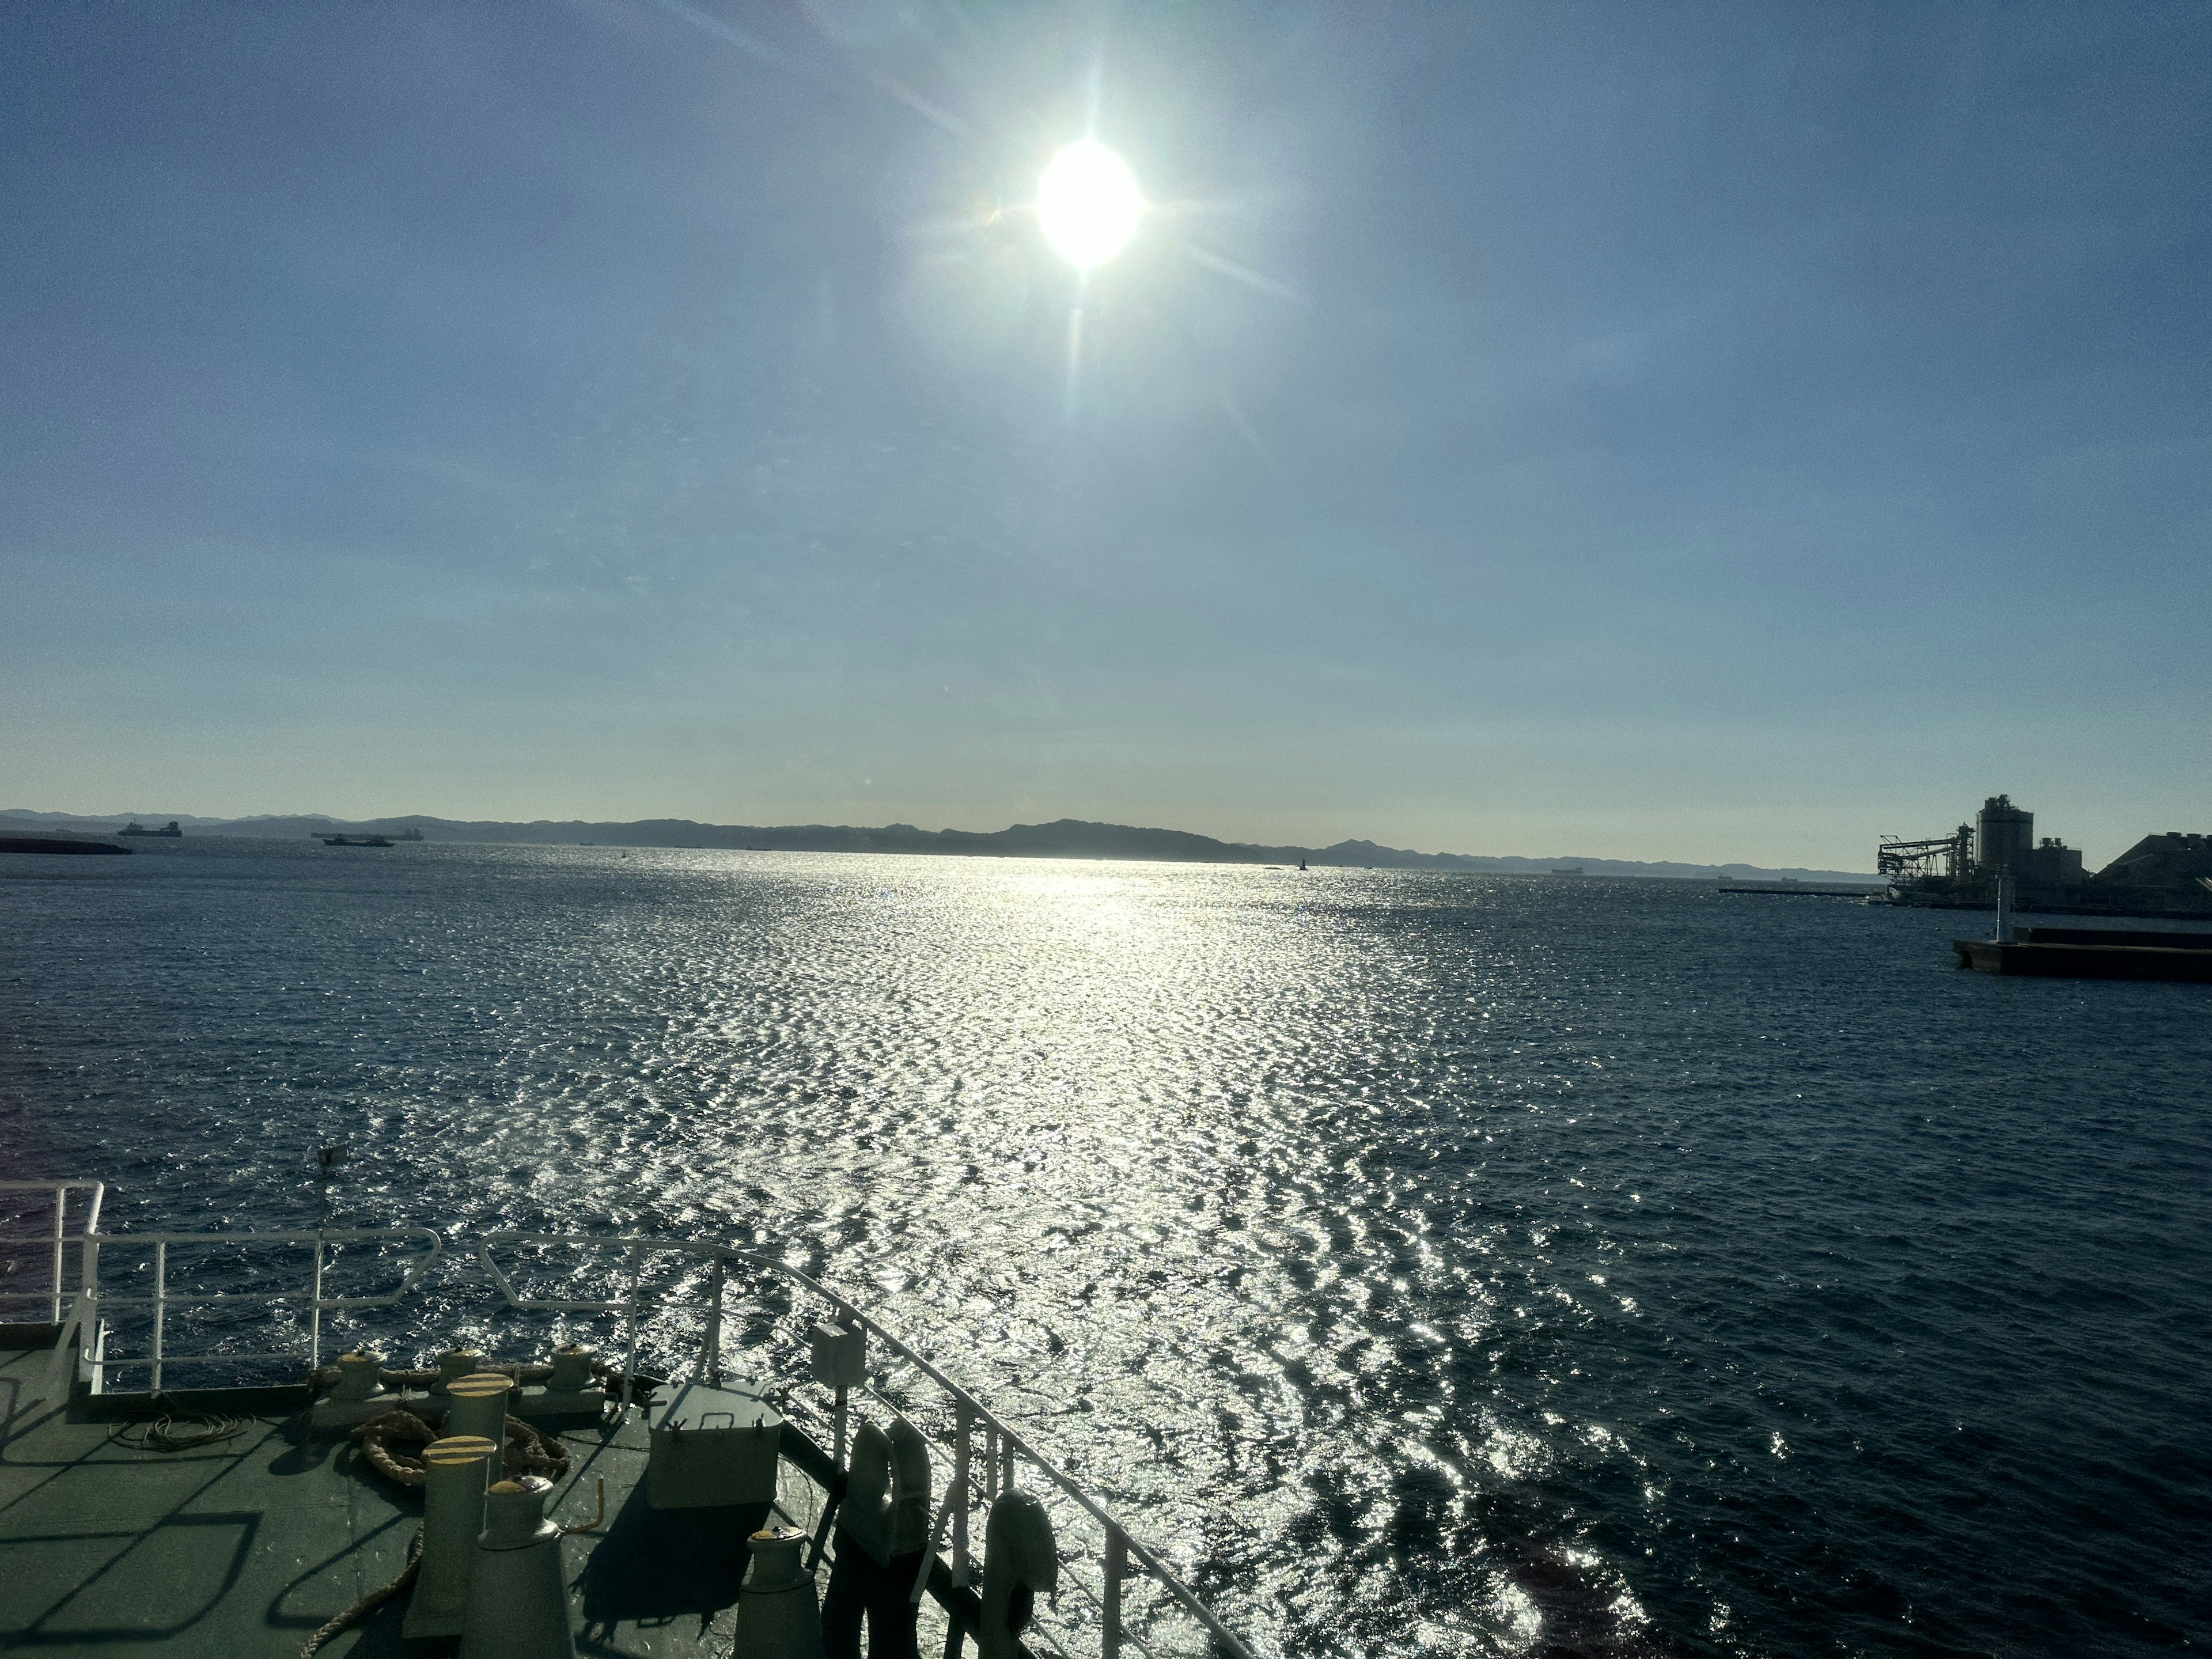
(1430, 1263)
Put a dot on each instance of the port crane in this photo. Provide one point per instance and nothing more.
(1910, 860)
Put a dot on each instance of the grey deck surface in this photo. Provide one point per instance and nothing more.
(244, 1549)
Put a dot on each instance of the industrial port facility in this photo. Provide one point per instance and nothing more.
(2162, 875)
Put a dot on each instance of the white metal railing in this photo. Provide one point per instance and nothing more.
(1003, 1445)
(55, 1238)
(974, 1476)
(161, 1302)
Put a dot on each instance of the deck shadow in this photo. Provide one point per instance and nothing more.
(177, 1571)
(654, 1564)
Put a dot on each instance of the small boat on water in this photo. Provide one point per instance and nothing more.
(56, 844)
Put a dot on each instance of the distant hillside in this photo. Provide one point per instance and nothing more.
(1066, 838)
(105, 822)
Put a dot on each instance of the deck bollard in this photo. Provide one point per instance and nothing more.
(358, 1394)
(455, 1363)
(517, 1598)
(572, 1369)
(777, 1615)
(358, 1377)
(571, 1388)
(454, 1475)
(479, 1406)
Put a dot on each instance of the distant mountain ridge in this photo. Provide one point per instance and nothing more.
(1065, 838)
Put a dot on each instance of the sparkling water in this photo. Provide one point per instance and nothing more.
(1426, 1263)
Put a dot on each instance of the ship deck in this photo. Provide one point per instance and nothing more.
(245, 1548)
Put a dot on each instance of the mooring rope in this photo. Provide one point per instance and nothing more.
(527, 1451)
(370, 1602)
(178, 1432)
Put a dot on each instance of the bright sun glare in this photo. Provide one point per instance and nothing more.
(1088, 204)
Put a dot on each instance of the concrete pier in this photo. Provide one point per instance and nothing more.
(2071, 961)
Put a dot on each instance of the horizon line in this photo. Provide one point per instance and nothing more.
(218, 824)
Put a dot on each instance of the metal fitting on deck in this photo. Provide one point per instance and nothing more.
(838, 1355)
(778, 1617)
(712, 1447)
(519, 1596)
(572, 1389)
(572, 1369)
(455, 1473)
(357, 1377)
(358, 1395)
(454, 1365)
(479, 1406)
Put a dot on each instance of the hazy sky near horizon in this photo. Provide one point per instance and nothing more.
(1649, 431)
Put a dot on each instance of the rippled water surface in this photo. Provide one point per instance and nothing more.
(1433, 1263)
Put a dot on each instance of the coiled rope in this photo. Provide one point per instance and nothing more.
(527, 1451)
(178, 1432)
(370, 1602)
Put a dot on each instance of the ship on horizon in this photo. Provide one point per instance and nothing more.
(370, 838)
(168, 831)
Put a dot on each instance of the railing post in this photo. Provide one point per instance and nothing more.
(929, 1550)
(95, 1339)
(962, 1496)
(963, 1434)
(160, 1305)
(1007, 1454)
(61, 1205)
(990, 1460)
(838, 1417)
(636, 1255)
(90, 1264)
(315, 1314)
(1117, 1569)
(712, 1356)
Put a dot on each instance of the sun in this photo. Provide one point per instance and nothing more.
(1088, 204)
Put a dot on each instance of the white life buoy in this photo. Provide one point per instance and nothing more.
(1020, 1561)
(886, 1505)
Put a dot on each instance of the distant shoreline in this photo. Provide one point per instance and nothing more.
(1068, 838)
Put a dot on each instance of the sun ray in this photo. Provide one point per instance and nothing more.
(1245, 274)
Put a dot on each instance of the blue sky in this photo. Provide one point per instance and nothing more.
(1645, 431)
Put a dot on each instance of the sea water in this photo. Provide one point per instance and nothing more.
(1425, 1263)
